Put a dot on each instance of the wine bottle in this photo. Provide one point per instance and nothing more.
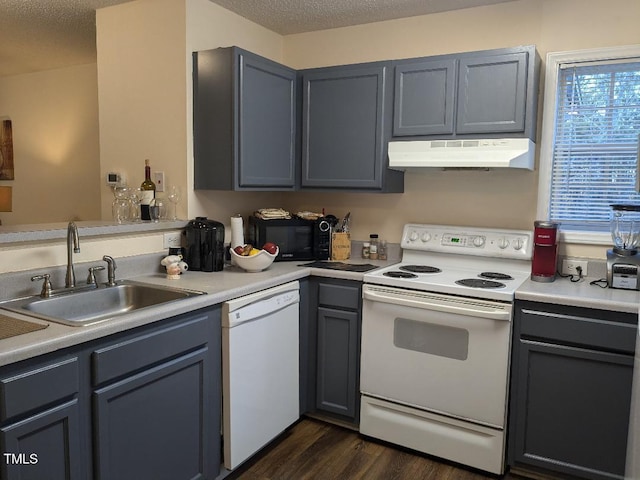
(148, 192)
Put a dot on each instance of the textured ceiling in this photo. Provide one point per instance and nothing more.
(296, 16)
(45, 34)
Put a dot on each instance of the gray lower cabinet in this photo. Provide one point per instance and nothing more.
(40, 417)
(245, 122)
(571, 390)
(142, 404)
(337, 317)
(344, 128)
(154, 403)
(486, 93)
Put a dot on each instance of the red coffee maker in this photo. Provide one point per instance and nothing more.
(545, 251)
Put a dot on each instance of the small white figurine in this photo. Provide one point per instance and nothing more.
(174, 265)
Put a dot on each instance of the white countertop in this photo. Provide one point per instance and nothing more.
(219, 287)
(234, 282)
(580, 294)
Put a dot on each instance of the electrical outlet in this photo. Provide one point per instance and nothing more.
(158, 179)
(172, 239)
(570, 266)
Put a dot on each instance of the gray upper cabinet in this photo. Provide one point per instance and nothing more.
(245, 122)
(490, 93)
(344, 128)
(423, 98)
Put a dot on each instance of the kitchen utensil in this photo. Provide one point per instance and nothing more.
(344, 228)
(623, 260)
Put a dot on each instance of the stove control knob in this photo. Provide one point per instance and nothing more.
(413, 236)
(503, 243)
(518, 243)
(426, 236)
(478, 241)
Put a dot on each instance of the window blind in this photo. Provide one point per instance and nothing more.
(595, 151)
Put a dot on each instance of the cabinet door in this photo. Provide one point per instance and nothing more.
(342, 127)
(572, 410)
(492, 94)
(337, 367)
(154, 425)
(244, 122)
(424, 98)
(48, 444)
(267, 123)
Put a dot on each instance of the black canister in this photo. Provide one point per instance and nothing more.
(205, 245)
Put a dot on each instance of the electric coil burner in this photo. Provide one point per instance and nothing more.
(398, 274)
(436, 339)
(420, 269)
(495, 276)
(479, 283)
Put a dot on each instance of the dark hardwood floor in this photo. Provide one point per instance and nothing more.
(312, 449)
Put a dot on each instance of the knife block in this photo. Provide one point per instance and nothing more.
(340, 246)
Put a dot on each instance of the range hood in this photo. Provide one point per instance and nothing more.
(480, 154)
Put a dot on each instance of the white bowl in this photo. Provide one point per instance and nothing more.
(254, 263)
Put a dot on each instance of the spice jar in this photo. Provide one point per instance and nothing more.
(365, 249)
(373, 246)
(382, 250)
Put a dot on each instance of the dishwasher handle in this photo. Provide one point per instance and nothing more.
(261, 308)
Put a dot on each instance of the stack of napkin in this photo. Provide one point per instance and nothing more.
(271, 213)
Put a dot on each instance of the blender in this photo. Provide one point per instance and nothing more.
(623, 261)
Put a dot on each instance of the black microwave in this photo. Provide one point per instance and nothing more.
(297, 239)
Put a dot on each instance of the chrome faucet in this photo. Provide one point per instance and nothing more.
(111, 270)
(73, 245)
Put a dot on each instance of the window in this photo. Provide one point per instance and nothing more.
(589, 154)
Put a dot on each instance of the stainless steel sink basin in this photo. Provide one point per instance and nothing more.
(92, 306)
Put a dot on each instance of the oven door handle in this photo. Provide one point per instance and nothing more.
(440, 303)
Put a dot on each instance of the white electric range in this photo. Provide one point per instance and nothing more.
(436, 341)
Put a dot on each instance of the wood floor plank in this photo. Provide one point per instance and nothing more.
(296, 442)
(315, 450)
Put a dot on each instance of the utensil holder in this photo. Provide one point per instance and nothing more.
(340, 246)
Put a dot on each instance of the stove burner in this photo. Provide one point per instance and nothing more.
(396, 274)
(495, 276)
(479, 283)
(420, 269)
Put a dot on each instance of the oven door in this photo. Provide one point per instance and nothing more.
(445, 354)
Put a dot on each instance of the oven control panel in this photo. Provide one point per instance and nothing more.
(491, 242)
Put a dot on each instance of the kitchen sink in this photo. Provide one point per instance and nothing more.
(91, 306)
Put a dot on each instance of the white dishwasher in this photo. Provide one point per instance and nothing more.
(260, 376)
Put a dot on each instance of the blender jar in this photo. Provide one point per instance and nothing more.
(625, 228)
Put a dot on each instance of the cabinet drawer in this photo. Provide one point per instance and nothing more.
(141, 351)
(337, 295)
(575, 330)
(38, 387)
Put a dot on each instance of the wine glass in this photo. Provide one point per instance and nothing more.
(121, 206)
(173, 195)
(135, 197)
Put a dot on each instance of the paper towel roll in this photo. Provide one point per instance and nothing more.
(237, 231)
